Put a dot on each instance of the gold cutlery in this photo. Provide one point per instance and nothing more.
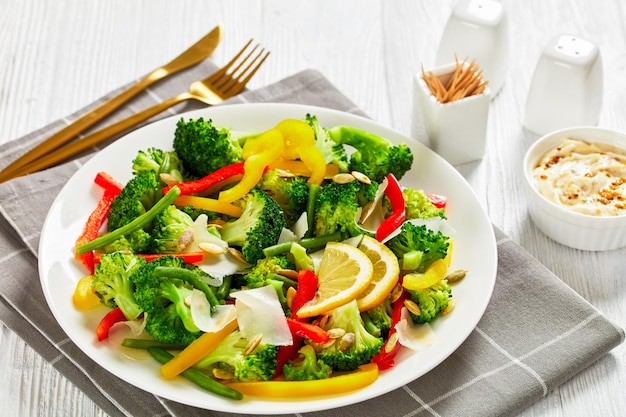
(226, 82)
(192, 56)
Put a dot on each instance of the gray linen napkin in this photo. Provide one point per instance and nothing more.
(508, 362)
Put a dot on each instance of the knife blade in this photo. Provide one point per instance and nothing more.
(192, 56)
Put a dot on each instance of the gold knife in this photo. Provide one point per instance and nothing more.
(192, 56)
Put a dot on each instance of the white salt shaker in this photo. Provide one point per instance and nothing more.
(456, 130)
(478, 29)
(566, 88)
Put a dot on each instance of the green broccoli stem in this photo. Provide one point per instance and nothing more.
(370, 326)
(308, 243)
(197, 377)
(138, 223)
(314, 190)
(149, 343)
(188, 276)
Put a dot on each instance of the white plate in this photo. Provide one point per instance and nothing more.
(474, 250)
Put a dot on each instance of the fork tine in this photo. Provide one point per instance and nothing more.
(238, 82)
(219, 73)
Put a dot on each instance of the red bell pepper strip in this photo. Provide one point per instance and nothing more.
(92, 228)
(108, 183)
(97, 217)
(398, 211)
(228, 173)
(114, 316)
(307, 330)
(191, 257)
(307, 286)
(438, 201)
(386, 358)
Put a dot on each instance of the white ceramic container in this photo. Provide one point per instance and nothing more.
(580, 231)
(478, 29)
(566, 88)
(456, 130)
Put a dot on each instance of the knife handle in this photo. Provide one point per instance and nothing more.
(62, 153)
(73, 129)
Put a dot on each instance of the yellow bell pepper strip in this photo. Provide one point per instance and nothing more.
(362, 377)
(258, 152)
(393, 191)
(433, 274)
(84, 297)
(197, 350)
(219, 178)
(196, 376)
(298, 168)
(209, 204)
(300, 143)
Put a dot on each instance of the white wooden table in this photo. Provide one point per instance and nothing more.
(57, 56)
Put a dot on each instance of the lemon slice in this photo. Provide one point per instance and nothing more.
(385, 276)
(344, 273)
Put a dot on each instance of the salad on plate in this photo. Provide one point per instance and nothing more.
(273, 264)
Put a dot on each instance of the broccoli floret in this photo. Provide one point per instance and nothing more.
(306, 367)
(194, 212)
(266, 269)
(374, 156)
(258, 227)
(333, 152)
(139, 241)
(431, 301)
(158, 161)
(419, 206)
(138, 196)
(265, 272)
(163, 299)
(230, 355)
(291, 194)
(419, 244)
(112, 284)
(173, 231)
(203, 147)
(337, 207)
(378, 319)
(346, 355)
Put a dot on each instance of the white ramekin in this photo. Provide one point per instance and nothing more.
(567, 227)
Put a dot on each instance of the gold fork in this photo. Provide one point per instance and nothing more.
(226, 82)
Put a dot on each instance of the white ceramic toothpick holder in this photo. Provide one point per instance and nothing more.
(566, 87)
(456, 130)
(478, 29)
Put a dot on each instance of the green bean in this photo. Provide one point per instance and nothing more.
(224, 289)
(308, 243)
(189, 276)
(197, 377)
(149, 343)
(314, 190)
(138, 223)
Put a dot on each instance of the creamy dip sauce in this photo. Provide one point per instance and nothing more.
(588, 178)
